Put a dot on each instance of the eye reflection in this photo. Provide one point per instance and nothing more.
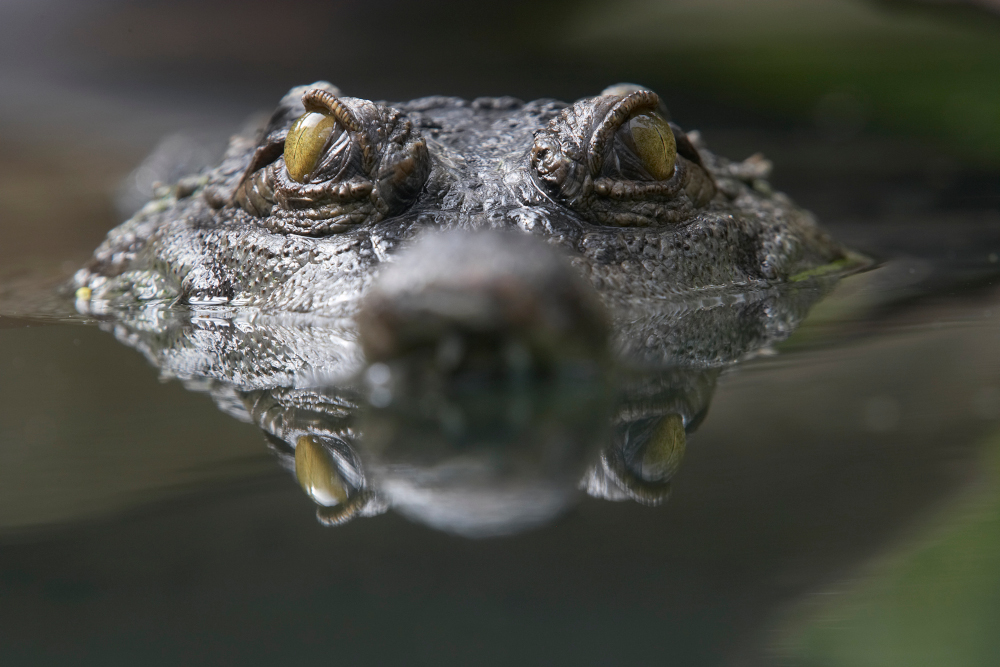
(485, 461)
(484, 403)
(317, 473)
(662, 456)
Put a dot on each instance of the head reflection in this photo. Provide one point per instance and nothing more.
(483, 395)
(484, 459)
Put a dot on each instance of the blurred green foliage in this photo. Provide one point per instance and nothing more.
(905, 67)
(934, 602)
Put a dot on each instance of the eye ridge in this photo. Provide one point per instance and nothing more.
(323, 135)
(633, 142)
(324, 101)
(615, 160)
(342, 162)
(623, 110)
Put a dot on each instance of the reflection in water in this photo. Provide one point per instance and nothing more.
(480, 460)
(479, 407)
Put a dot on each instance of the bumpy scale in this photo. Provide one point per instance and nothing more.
(298, 218)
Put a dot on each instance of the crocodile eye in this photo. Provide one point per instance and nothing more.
(306, 141)
(654, 144)
(642, 148)
(341, 163)
(615, 160)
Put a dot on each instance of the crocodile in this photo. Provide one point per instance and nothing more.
(343, 273)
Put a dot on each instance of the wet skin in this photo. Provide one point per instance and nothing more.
(298, 218)
(264, 282)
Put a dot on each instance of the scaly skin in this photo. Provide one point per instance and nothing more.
(492, 163)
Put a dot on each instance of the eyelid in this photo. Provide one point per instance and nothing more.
(626, 107)
(326, 102)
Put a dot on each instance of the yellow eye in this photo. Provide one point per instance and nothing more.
(655, 144)
(305, 142)
(317, 473)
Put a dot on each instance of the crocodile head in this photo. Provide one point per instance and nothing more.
(298, 217)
